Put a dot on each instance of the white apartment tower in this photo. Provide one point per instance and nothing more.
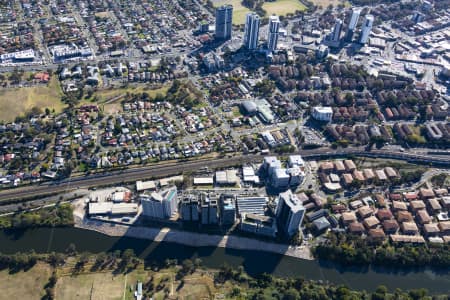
(251, 33)
(272, 38)
(356, 12)
(290, 212)
(336, 34)
(366, 29)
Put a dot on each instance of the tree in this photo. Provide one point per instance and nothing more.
(128, 255)
(100, 261)
(53, 279)
(84, 258)
(56, 259)
(418, 294)
(265, 87)
(71, 249)
(187, 266)
(235, 292)
(291, 294)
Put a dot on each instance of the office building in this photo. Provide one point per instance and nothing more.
(224, 22)
(296, 161)
(336, 33)
(322, 113)
(366, 29)
(322, 51)
(290, 213)
(251, 33)
(213, 61)
(270, 164)
(227, 209)
(258, 224)
(161, 205)
(296, 176)
(252, 205)
(203, 27)
(356, 12)
(189, 209)
(208, 208)
(274, 29)
(280, 179)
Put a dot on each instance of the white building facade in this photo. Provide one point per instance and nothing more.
(274, 30)
(251, 33)
(366, 29)
(290, 213)
(324, 114)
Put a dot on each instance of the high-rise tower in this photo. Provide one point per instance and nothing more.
(366, 29)
(224, 22)
(356, 12)
(251, 33)
(290, 212)
(274, 28)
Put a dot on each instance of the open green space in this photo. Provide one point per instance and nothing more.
(185, 281)
(25, 285)
(326, 3)
(91, 286)
(283, 7)
(278, 7)
(107, 285)
(108, 94)
(110, 98)
(16, 101)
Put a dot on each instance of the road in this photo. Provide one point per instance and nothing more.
(173, 168)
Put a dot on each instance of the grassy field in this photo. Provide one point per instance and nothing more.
(114, 107)
(278, 7)
(283, 7)
(25, 285)
(105, 95)
(365, 162)
(107, 286)
(17, 101)
(325, 3)
(239, 11)
(91, 286)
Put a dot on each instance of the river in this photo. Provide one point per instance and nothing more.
(254, 262)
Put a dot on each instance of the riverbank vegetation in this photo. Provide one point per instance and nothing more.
(55, 216)
(353, 250)
(114, 275)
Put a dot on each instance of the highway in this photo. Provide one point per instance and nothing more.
(173, 168)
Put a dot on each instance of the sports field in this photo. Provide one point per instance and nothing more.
(278, 7)
(283, 7)
(17, 101)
